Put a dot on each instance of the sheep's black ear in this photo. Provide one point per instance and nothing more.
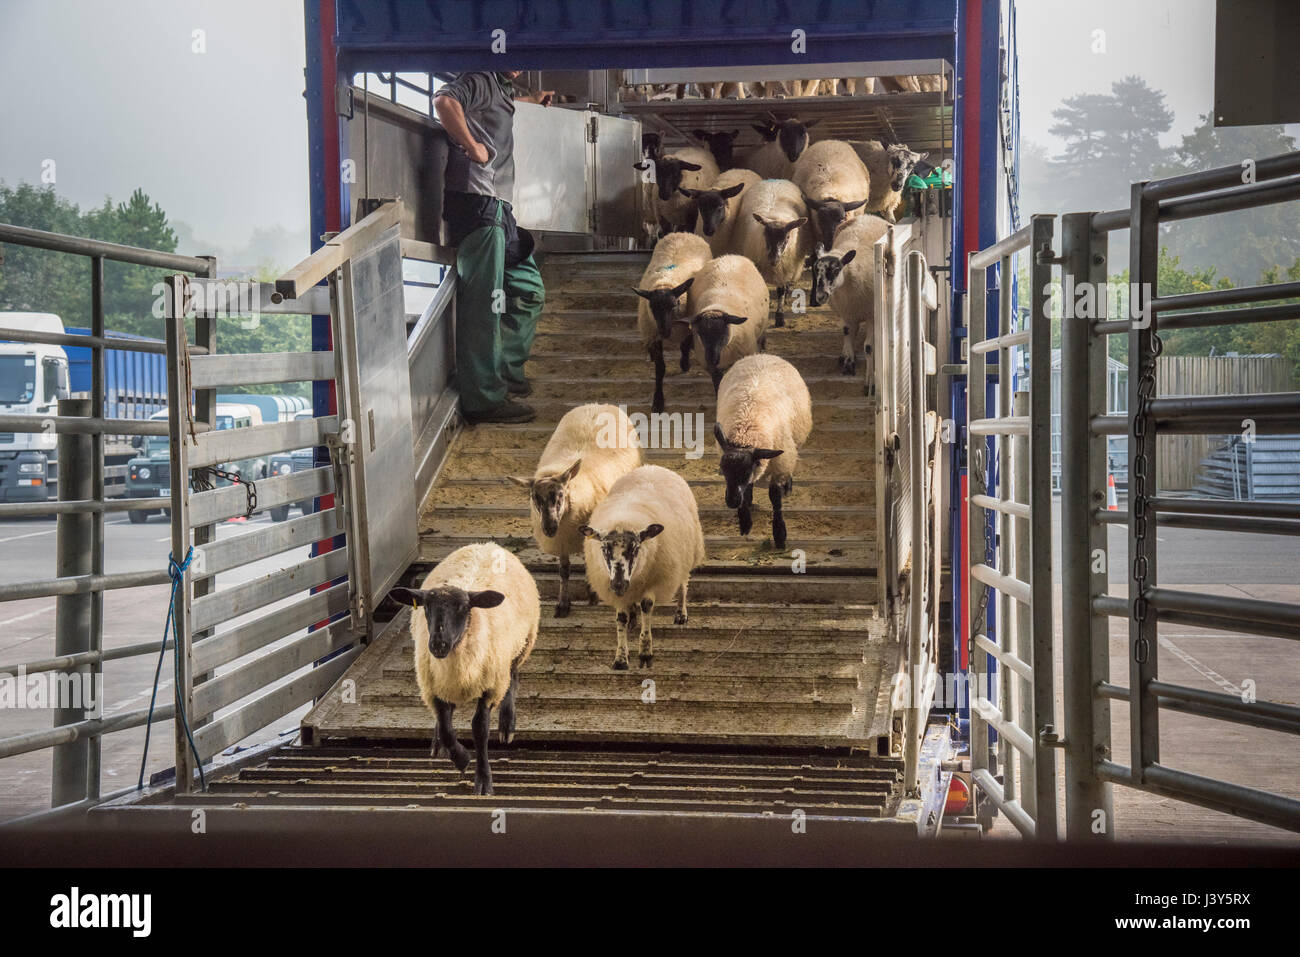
(731, 191)
(693, 167)
(796, 223)
(735, 320)
(765, 130)
(813, 203)
(848, 257)
(587, 531)
(850, 207)
(679, 290)
(699, 134)
(651, 531)
(766, 453)
(686, 320)
(641, 166)
(517, 480)
(810, 124)
(644, 294)
(720, 436)
(485, 599)
(407, 596)
(570, 472)
(690, 193)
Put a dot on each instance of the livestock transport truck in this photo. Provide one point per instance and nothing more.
(852, 682)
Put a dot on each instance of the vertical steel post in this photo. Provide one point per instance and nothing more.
(1005, 604)
(1084, 791)
(1143, 349)
(917, 625)
(1022, 646)
(98, 398)
(178, 411)
(205, 410)
(1040, 517)
(976, 520)
(74, 540)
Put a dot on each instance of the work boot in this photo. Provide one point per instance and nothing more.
(519, 388)
(508, 411)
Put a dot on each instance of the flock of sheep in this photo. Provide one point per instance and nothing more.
(786, 88)
(729, 227)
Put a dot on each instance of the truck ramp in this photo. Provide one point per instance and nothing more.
(783, 649)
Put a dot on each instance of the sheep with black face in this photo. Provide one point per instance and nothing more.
(718, 206)
(764, 417)
(719, 144)
(727, 311)
(772, 232)
(784, 141)
(691, 167)
(845, 277)
(474, 623)
(667, 277)
(835, 184)
(889, 168)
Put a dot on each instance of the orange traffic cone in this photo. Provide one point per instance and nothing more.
(1112, 500)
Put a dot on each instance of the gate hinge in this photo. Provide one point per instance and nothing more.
(1048, 738)
(344, 100)
(593, 129)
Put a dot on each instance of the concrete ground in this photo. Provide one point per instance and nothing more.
(1221, 563)
(131, 616)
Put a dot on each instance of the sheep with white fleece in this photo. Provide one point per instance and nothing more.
(672, 268)
(845, 276)
(692, 167)
(784, 141)
(772, 232)
(835, 184)
(592, 447)
(643, 542)
(764, 416)
(726, 309)
(717, 207)
(889, 168)
(474, 624)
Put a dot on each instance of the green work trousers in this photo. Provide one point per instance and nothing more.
(496, 317)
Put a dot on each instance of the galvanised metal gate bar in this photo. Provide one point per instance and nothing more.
(81, 581)
(1013, 561)
(1087, 685)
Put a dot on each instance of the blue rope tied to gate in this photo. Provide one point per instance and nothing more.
(177, 574)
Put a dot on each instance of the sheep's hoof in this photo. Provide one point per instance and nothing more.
(848, 365)
(506, 728)
(562, 609)
(504, 736)
(780, 320)
(647, 660)
(460, 758)
(482, 784)
(746, 523)
(658, 404)
(787, 486)
(593, 598)
(436, 747)
(680, 618)
(620, 664)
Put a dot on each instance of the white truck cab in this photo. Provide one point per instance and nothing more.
(33, 377)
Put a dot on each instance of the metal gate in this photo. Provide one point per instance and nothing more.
(1008, 520)
(371, 464)
(1010, 556)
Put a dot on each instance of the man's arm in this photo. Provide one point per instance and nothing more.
(543, 97)
(452, 116)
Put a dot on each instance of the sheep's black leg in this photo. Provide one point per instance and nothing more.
(716, 376)
(482, 773)
(780, 302)
(687, 345)
(506, 720)
(562, 606)
(870, 387)
(447, 737)
(743, 513)
(657, 357)
(620, 647)
(778, 521)
(647, 639)
(681, 617)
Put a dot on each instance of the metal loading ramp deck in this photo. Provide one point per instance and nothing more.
(771, 657)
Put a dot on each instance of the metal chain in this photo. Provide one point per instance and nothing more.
(204, 479)
(1143, 444)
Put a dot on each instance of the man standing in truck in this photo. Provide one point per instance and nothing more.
(499, 292)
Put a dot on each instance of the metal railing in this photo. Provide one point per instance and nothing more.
(1008, 515)
(1086, 606)
(80, 581)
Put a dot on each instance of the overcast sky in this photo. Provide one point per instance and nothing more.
(115, 95)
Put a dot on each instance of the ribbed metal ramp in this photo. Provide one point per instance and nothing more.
(783, 649)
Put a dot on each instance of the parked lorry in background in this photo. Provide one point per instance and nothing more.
(34, 377)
